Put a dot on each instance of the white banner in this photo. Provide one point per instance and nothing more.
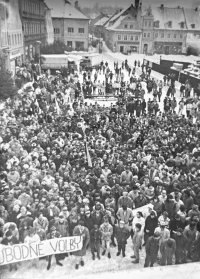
(146, 209)
(23, 252)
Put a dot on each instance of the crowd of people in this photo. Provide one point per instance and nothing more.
(72, 168)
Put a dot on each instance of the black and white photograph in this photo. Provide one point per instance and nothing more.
(99, 139)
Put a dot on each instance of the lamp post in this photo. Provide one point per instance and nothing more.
(39, 53)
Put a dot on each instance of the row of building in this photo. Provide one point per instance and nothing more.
(152, 30)
(27, 25)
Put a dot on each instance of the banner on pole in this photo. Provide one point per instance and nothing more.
(24, 251)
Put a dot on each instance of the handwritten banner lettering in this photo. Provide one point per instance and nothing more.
(23, 252)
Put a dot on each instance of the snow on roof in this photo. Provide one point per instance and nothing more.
(101, 21)
(192, 17)
(165, 15)
(62, 9)
(120, 13)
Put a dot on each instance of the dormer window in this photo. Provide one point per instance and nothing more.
(156, 24)
(170, 24)
(193, 26)
(182, 24)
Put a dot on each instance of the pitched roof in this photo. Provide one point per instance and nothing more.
(101, 21)
(165, 15)
(192, 17)
(63, 9)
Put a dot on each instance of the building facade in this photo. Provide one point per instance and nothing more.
(147, 31)
(159, 30)
(11, 35)
(49, 31)
(32, 14)
(124, 33)
(70, 25)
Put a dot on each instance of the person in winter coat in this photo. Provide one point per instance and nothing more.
(121, 233)
(10, 240)
(190, 233)
(125, 214)
(181, 246)
(80, 230)
(175, 224)
(167, 249)
(125, 200)
(152, 247)
(88, 221)
(138, 219)
(53, 234)
(31, 238)
(151, 224)
(107, 230)
(95, 241)
(137, 242)
(41, 221)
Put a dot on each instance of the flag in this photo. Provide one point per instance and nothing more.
(57, 107)
(89, 160)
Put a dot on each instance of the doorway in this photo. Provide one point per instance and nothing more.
(145, 49)
(122, 49)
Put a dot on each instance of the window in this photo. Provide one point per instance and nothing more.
(145, 23)
(156, 24)
(156, 35)
(170, 24)
(168, 36)
(144, 35)
(175, 35)
(148, 35)
(182, 24)
(56, 30)
(125, 38)
(125, 26)
(131, 38)
(193, 26)
(119, 37)
(131, 26)
(81, 30)
(20, 37)
(136, 38)
(13, 40)
(70, 30)
(162, 35)
(149, 23)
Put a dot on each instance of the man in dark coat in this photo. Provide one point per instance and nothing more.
(167, 249)
(80, 230)
(88, 221)
(95, 241)
(53, 234)
(181, 246)
(121, 234)
(151, 223)
(152, 247)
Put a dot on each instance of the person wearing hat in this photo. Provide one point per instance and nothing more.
(32, 237)
(121, 233)
(82, 231)
(10, 240)
(51, 235)
(107, 231)
(152, 248)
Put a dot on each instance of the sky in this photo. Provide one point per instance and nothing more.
(121, 3)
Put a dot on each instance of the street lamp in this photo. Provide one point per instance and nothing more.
(39, 44)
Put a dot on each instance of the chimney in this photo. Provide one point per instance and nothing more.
(137, 3)
(162, 6)
(76, 5)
